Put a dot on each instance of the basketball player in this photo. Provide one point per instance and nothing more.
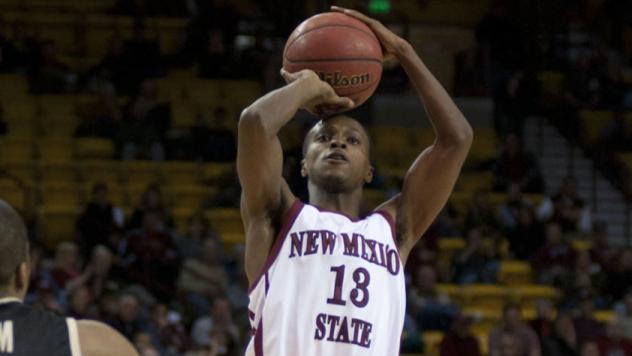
(324, 280)
(28, 331)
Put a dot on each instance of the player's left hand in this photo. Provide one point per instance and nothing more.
(392, 43)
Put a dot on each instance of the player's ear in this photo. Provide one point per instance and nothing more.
(369, 175)
(303, 169)
(22, 276)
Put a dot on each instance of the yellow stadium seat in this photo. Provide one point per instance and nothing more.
(13, 86)
(23, 171)
(62, 194)
(94, 148)
(59, 125)
(93, 171)
(527, 295)
(181, 172)
(472, 182)
(432, 342)
(534, 198)
(448, 247)
(485, 295)
(453, 291)
(216, 172)
(57, 172)
(483, 341)
(18, 151)
(58, 224)
(581, 245)
(55, 149)
(53, 104)
(225, 220)
(140, 172)
(593, 124)
(184, 113)
(486, 318)
(484, 147)
(232, 238)
(605, 316)
(514, 272)
(13, 193)
(189, 196)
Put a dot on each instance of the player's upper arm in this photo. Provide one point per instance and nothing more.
(259, 164)
(99, 339)
(427, 186)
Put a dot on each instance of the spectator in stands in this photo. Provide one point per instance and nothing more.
(145, 125)
(567, 208)
(11, 57)
(128, 320)
(152, 201)
(143, 343)
(66, 265)
(602, 255)
(554, 261)
(100, 222)
(219, 318)
(217, 143)
(203, 279)
(478, 262)
(81, 304)
(590, 348)
(624, 315)
(617, 135)
(215, 62)
(509, 212)
(100, 119)
(587, 327)
(515, 165)
(140, 58)
(481, 214)
(543, 322)
(563, 340)
(50, 74)
(459, 341)
(100, 274)
(167, 332)
(514, 333)
(150, 256)
(619, 280)
(527, 237)
(198, 230)
(111, 71)
(431, 309)
(613, 341)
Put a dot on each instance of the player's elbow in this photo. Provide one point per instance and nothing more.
(250, 121)
(460, 137)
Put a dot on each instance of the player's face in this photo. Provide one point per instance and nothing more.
(337, 155)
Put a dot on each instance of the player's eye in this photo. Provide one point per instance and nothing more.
(323, 138)
(353, 140)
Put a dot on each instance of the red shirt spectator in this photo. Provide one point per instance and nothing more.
(460, 341)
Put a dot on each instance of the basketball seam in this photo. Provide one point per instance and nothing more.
(359, 59)
(372, 35)
(361, 90)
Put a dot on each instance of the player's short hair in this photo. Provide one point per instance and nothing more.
(14, 243)
(309, 133)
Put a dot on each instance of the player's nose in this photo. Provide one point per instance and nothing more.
(337, 143)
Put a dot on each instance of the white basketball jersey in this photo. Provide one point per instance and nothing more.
(331, 287)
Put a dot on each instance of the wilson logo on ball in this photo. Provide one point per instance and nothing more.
(338, 80)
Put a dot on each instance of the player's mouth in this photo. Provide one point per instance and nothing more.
(336, 157)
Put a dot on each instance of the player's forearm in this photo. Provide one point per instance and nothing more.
(275, 109)
(449, 123)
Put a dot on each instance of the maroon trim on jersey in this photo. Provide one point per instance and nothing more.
(391, 222)
(259, 339)
(286, 224)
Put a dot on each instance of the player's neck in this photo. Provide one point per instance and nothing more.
(6, 296)
(346, 203)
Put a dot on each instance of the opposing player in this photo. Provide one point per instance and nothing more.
(325, 281)
(28, 331)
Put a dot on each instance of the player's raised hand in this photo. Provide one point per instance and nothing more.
(391, 42)
(321, 99)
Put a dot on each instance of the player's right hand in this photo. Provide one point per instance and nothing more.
(320, 98)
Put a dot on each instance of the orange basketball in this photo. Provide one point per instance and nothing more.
(342, 50)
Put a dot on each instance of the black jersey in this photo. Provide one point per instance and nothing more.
(30, 331)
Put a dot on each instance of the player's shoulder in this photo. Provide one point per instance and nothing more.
(97, 338)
